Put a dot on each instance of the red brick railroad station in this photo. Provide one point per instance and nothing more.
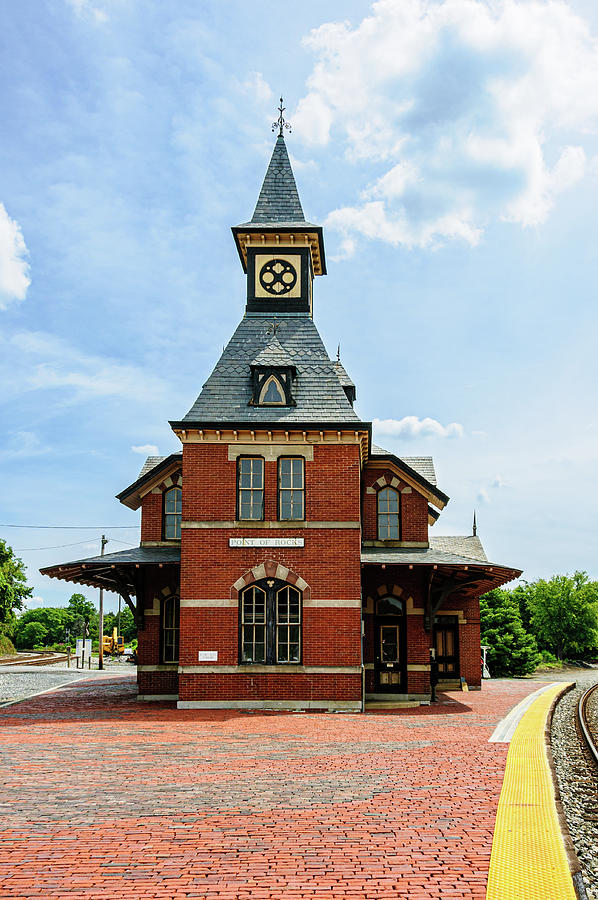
(285, 560)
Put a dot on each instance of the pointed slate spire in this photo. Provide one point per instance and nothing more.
(475, 525)
(278, 201)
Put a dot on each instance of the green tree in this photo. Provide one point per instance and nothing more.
(564, 615)
(82, 612)
(54, 621)
(31, 635)
(13, 588)
(512, 651)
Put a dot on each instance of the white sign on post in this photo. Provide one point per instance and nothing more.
(82, 644)
(207, 656)
(266, 542)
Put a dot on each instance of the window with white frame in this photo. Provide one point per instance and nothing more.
(173, 500)
(388, 514)
(250, 478)
(291, 488)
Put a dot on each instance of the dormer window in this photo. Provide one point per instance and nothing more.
(272, 385)
(272, 393)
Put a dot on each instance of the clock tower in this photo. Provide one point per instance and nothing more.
(280, 251)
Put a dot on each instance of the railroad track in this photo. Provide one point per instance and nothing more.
(33, 659)
(587, 720)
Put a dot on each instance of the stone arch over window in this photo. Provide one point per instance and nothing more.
(271, 569)
(391, 590)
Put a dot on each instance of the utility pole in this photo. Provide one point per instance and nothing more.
(101, 623)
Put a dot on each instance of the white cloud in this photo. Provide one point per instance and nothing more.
(22, 444)
(410, 428)
(14, 268)
(87, 8)
(468, 111)
(483, 496)
(31, 361)
(257, 87)
(145, 449)
(32, 602)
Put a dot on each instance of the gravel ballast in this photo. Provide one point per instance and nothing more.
(578, 783)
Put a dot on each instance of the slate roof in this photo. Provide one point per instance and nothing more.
(141, 555)
(423, 465)
(278, 202)
(343, 377)
(317, 390)
(458, 550)
(273, 354)
(150, 463)
(113, 570)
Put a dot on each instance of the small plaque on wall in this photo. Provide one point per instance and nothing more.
(207, 656)
(266, 542)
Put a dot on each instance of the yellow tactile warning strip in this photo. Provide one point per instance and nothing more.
(528, 854)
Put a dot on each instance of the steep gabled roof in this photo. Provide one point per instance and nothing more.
(155, 467)
(273, 354)
(317, 391)
(424, 465)
(420, 469)
(278, 202)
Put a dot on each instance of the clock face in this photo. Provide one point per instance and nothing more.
(278, 277)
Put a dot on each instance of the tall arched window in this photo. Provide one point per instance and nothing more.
(170, 629)
(172, 514)
(388, 514)
(270, 623)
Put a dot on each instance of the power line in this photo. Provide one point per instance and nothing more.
(55, 547)
(76, 527)
(60, 546)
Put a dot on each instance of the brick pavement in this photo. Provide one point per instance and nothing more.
(101, 796)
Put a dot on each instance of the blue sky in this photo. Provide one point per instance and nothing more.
(450, 150)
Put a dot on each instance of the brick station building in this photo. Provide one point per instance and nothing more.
(285, 560)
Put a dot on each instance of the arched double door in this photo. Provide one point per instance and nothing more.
(390, 658)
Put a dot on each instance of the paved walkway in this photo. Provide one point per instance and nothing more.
(104, 797)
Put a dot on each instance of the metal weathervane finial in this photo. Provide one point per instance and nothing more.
(272, 327)
(281, 122)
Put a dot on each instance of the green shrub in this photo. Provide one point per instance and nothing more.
(7, 647)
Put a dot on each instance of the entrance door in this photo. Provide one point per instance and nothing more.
(446, 634)
(389, 634)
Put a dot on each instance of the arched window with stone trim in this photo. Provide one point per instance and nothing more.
(170, 630)
(388, 514)
(173, 505)
(270, 614)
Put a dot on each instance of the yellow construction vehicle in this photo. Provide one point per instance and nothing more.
(113, 644)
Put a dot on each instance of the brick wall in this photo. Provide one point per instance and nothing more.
(413, 506)
(151, 517)
(329, 563)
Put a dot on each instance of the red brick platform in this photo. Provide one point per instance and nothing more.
(103, 797)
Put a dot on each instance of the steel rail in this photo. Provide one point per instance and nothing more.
(583, 722)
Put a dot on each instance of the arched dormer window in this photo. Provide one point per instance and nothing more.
(172, 514)
(388, 515)
(170, 629)
(272, 393)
